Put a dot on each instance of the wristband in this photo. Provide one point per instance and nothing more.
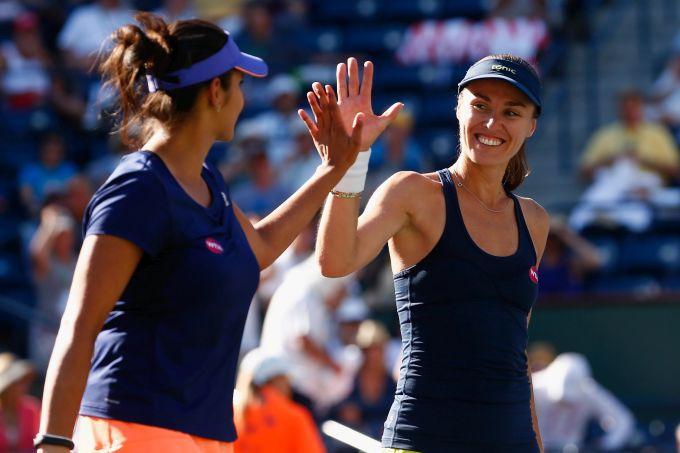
(51, 439)
(339, 194)
(354, 179)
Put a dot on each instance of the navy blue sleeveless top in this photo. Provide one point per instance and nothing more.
(167, 353)
(463, 383)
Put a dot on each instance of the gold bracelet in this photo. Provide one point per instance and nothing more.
(337, 193)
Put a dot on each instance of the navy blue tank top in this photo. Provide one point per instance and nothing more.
(463, 383)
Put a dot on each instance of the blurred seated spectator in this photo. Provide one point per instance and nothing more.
(648, 146)
(299, 326)
(48, 175)
(172, 10)
(540, 355)
(630, 164)
(395, 150)
(664, 104)
(366, 408)
(283, 92)
(24, 66)
(19, 412)
(99, 169)
(265, 416)
(351, 313)
(53, 259)
(87, 29)
(567, 398)
(263, 192)
(567, 259)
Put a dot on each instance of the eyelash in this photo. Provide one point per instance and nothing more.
(480, 106)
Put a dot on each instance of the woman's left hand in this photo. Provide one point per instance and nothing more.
(338, 146)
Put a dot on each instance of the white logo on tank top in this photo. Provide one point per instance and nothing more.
(226, 201)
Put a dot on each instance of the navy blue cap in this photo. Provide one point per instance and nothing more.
(514, 73)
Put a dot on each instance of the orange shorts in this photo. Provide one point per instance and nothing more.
(102, 435)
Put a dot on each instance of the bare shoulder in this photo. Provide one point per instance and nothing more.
(407, 186)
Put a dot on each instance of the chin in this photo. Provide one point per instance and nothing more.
(487, 158)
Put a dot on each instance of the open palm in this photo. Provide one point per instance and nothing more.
(355, 97)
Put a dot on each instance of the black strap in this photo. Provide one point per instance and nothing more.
(51, 439)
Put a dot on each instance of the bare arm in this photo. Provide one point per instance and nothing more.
(104, 268)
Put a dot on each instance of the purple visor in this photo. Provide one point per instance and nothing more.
(228, 57)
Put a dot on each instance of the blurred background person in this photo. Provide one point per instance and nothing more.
(266, 418)
(53, 258)
(366, 407)
(567, 398)
(299, 326)
(19, 412)
(567, 260)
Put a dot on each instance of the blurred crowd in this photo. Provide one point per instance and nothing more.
(314, 348)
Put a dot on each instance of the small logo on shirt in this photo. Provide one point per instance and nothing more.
(214, 246)
(226, 201)
(533, 275)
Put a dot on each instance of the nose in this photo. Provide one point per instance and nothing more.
(492, 121)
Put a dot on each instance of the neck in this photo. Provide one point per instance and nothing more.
(484, 181)
(183, 148)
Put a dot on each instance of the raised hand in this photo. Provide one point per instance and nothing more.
(337, 145)
(354, 98)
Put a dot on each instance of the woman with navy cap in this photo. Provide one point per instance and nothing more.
(149, 341)
(464, 251)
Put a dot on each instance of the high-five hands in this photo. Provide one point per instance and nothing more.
(346, 121)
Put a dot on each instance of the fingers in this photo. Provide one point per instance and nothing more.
(341, 79)
(391, 113)
(353, 88)
(357, 129)
(367, 80)
(311, 127)
(332, 105)
(321, 94)
(314, 104)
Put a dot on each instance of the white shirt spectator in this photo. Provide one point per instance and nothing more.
(89, 26)
(23, 75)
(567, 397)
(298, 309)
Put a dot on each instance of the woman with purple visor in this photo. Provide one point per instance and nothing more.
(147, 350)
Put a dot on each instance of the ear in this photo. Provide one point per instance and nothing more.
(533, 127)
(215, 93)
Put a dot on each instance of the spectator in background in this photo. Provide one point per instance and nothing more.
(395, 150)
(277, 123)
(366, 408)
(629, 163)
(48, 175)
(540, 355)
(87, 28)
(352, 312)
(265, 416)
(517, 8)
(648, 146)
(53, 259)
(567, 259)
(99, 170)
(299, 326)
(24, 66)
(567, 397)
(172, 10)
(19, 412)
(264, 191)
(664, 104)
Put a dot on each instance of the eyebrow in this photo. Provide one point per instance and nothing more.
(509, 103)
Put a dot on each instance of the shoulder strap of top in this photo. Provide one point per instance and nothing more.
(525, 236)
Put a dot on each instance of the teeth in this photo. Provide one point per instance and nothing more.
(489, 141)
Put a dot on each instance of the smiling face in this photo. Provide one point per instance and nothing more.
(495, 119)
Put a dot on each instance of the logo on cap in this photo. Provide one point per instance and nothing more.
(214, 246)
(533, 275)
(500, 67)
